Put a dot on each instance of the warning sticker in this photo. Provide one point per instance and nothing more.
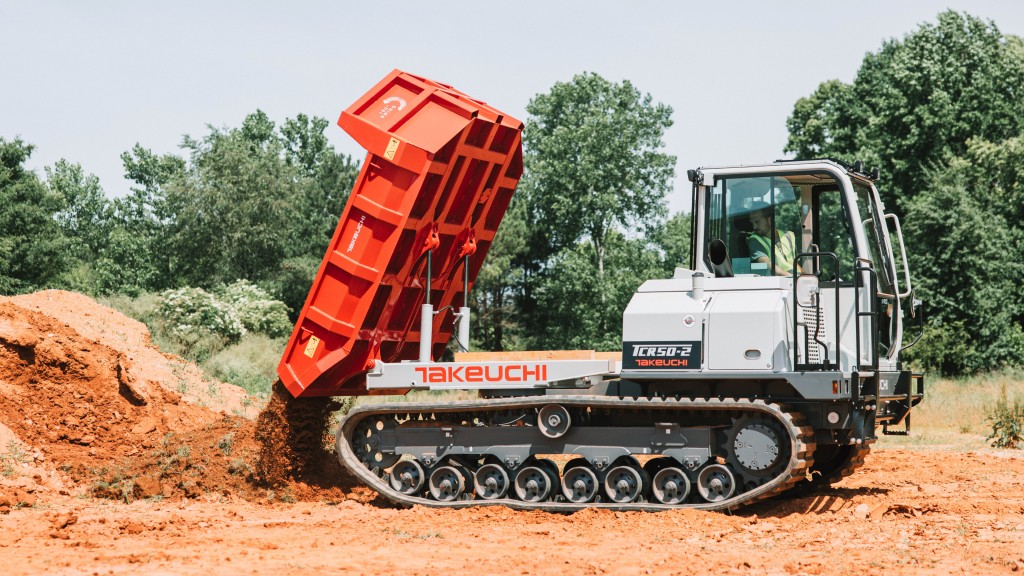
(389, 153)
(311, 346)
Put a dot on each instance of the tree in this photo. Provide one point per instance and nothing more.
(583, 310)
(593, 166)
(233, 208)
(916, 102)
(968, 269)
(33, 250)
(84, 219)
(137, 256)
(254, 202)
(85, 215)
(675, 242)
(498, 323)
(330, 179)
(593, 161)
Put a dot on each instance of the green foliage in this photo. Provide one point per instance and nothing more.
(233, 207)
(594, 171)
(255, 309)
(229, 312)
(33, 249)
(674, 240)
(137, 258)
(251, 202)
(84, 219)
(580, 309)
(916, 102)
(85, 214)
(593, 160)
(197, 323)
(1007, 424)
(497, 322)
(250, 363)
(967, 264)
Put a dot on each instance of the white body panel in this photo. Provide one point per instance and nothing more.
(747, 331)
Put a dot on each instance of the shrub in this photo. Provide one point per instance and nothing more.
(256, 310)
(193, 311)
(1007, 424)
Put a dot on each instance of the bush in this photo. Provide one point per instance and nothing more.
(256, 310)
(1007, 424)
(192, 313)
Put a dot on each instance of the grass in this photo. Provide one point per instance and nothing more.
(13, 455)
(955, 411)
(251, 363)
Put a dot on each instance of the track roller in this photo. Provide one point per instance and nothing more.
(407, 477)
(670, 485)
(534, 482)
(579, 481)
(715, 483)
(626, 482)
(447, 483)
(491, 481)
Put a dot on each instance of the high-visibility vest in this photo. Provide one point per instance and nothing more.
(785, 249)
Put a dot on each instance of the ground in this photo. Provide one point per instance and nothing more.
(106, 468)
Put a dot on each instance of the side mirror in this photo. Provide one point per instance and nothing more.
(721, 264)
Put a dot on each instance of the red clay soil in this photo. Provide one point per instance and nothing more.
(904, 513)
(90, 406)
(106, 468)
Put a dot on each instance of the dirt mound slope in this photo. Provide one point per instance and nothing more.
(89, 405)
(147, 366)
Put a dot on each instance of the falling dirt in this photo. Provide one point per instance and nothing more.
(293, 446)
(116, 458)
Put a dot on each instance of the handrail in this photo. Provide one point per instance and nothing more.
(872, 314)
(903, 254)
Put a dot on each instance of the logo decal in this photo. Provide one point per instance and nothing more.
(653, 355)
(392, 104)
(479, 374)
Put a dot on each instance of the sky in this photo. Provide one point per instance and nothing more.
(86, 81)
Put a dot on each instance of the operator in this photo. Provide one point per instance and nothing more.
(759, 244)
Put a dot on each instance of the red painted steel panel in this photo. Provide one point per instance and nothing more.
(439, 173)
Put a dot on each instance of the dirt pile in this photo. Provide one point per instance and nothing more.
(89, 405)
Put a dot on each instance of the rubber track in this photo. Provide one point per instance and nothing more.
(801, 447)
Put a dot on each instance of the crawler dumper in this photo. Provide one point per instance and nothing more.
(755, 370)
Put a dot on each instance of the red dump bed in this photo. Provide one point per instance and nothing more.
(440, 171)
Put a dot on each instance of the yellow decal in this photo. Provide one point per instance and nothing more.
(391, 149)
(311, 346)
